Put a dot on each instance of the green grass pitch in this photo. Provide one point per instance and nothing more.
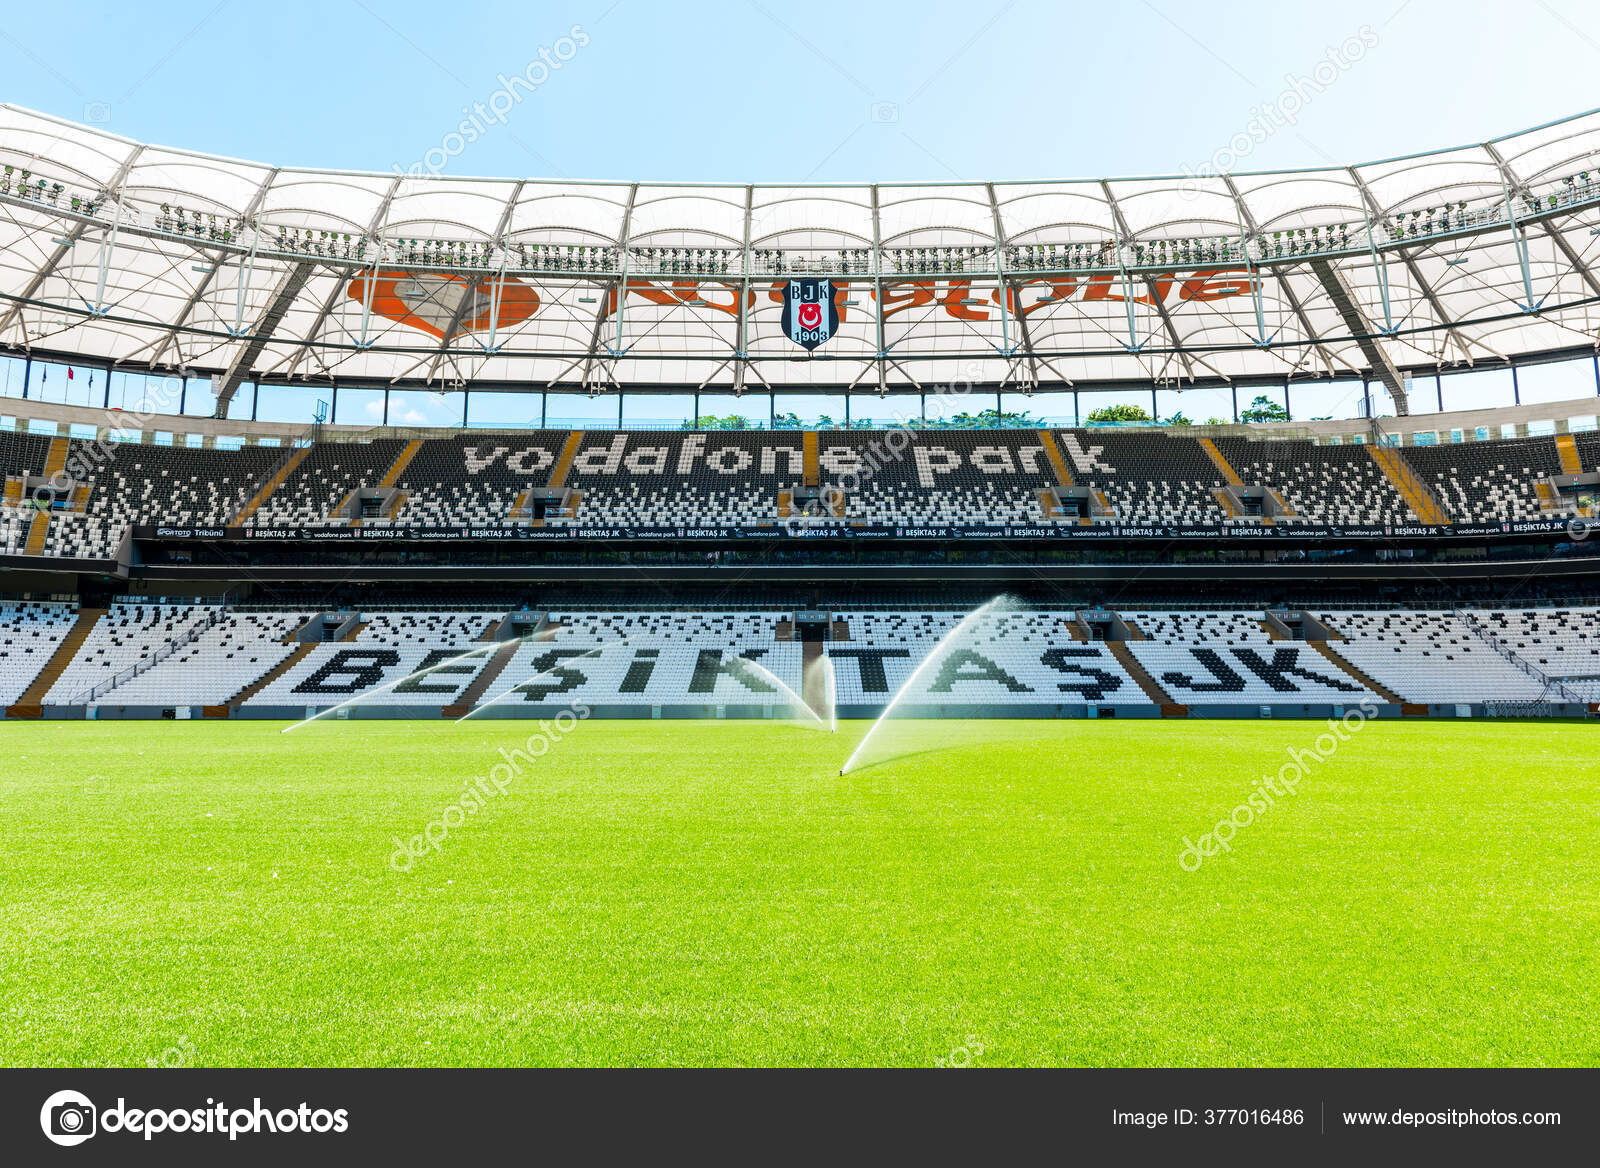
(714, 893)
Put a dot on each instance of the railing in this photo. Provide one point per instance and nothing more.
(1532, 708)
(1550, 684)
(1403, 469)
(311, 435)
(260, 237)
(148, 663)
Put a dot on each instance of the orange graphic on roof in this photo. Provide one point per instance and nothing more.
(429, 301)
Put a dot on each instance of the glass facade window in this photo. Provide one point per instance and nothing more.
(820, 409)
(12, 376)
(359, 407)
(508, 410)
(577, 410)
(297, 404)
(242, 405)
(1271, 402)
(1032, 410)
(141, 393)
(1479, 390)
(651, 411)
(1199, 406)
(65, 384)
(747, 411)
(1557, 381)
(199, 397)
(415, 407)
(1331, 400)
(1092, 402)
(57, 382)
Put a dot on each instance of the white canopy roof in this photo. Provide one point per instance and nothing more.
(152, 257)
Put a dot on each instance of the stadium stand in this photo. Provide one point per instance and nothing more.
(1026, 658)
(1217, 657)
(1147, 477)
(1586, 448)
(1260, 672)
(1562, 644)
(80, 537)
(1184, 627)
(610, 479)
(385, 648)
(206, 656)
(1429, 657)
(177, 485)
(126, 636)
(1324, 484)
(652, 659)
(955, 477)
(686, 478)
(323, 482)
(14, 526)
(23, 454)
(894, 641)
(30, 633)
(473, 480)
(1490, 481)
(216, 665)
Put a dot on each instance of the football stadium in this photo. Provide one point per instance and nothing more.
(453, 621)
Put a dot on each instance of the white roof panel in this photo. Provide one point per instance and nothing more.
(223, 265)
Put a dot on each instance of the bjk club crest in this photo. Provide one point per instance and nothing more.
(810, 315)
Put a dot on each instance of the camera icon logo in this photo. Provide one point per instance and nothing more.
(883, 112)
(96, 113)
(68, 1118)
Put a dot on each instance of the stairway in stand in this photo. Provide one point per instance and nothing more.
(1141, 676)
(1567, 447)
(300, 653)
(1366, 679)
(272, 484)
(813, 682)
(1422, 501)
(473, 694)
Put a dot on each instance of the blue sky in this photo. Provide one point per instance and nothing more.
(762, 90)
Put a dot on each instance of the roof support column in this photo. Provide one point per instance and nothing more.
(877, 291)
